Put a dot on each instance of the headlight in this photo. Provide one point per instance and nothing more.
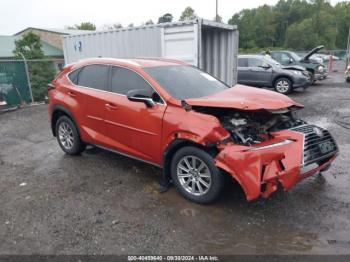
(297, 72)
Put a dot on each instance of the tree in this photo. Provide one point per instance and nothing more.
(149, 22)
(296, 24)
(188, 14)
(166, 18)
(84, 26)
(40, 72)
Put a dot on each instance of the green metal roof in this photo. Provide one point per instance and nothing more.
(7, 45)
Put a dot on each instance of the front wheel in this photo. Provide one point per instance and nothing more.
(195, 175)
(283, 85)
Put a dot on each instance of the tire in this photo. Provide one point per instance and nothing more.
(348, 79)
(312, 78)
(283, 85)
(206, 176)
(68, 137)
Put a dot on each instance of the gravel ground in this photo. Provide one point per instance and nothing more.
(103, 203)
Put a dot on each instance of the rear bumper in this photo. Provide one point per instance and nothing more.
(259, 170)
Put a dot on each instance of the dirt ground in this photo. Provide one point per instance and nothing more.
(103, 203)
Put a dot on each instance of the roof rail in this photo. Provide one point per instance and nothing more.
(162, 59)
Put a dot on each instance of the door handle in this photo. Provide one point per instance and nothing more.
(72, 94)
(110, 106)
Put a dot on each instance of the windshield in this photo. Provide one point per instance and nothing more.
(184, 82)
(295, 56)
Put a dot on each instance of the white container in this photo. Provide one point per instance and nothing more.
(209, 45)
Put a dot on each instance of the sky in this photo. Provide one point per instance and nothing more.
(17, 15)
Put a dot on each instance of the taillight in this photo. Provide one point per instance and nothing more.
(50, 87)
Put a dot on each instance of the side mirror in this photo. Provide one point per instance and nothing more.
(140, 95)
(291, 60)
(266, 66)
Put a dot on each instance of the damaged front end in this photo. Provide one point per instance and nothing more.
(269, 147)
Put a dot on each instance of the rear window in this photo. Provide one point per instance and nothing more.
(73, 76)
(93, 76)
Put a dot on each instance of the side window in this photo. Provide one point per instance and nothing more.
(73, 76)
(94, 76)
(242, 62)
(254, 62)
(124, 80)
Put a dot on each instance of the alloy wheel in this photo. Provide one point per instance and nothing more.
(65, 135)
(194, 175)
(282, 86)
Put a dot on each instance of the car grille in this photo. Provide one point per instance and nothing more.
(318, 143)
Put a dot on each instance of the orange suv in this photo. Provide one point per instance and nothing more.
(195, 127)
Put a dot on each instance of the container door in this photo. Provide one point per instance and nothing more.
(181, 42)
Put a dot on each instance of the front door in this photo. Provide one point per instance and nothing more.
(259, 75)
(132, 127)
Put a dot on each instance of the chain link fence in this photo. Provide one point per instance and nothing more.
(19, 84)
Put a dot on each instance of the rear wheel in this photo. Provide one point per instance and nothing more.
(195, 175)
(283, 85)
(68, 137)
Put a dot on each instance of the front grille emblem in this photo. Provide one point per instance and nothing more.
(318, 131)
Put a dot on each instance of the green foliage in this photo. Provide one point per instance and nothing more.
(188, 14)
(40, 72)
(149, 22)
(84, 26)
(296, 24)
(166, 18)
(30, 46)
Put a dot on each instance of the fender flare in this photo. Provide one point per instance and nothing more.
(57, 108)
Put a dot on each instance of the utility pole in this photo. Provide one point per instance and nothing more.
(216, 13)
(348, 51)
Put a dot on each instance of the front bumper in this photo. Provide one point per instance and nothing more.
(301, 82)
(320, 76)
(260, 168)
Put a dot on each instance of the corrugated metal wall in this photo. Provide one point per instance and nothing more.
(180, 42)
(128, 43)
(218, 53)
(209, 45)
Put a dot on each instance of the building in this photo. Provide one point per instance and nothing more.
(51, 36)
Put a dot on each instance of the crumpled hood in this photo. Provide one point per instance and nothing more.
(245, 98)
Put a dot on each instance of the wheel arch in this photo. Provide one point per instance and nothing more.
(57, 112)
(173, 147)
(282, 76)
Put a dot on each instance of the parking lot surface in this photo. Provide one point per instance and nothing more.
(103, 203)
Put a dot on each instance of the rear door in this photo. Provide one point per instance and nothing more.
(93, 82)
(132, 127)
(243, 71)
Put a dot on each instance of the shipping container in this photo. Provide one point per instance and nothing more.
(212, 46)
